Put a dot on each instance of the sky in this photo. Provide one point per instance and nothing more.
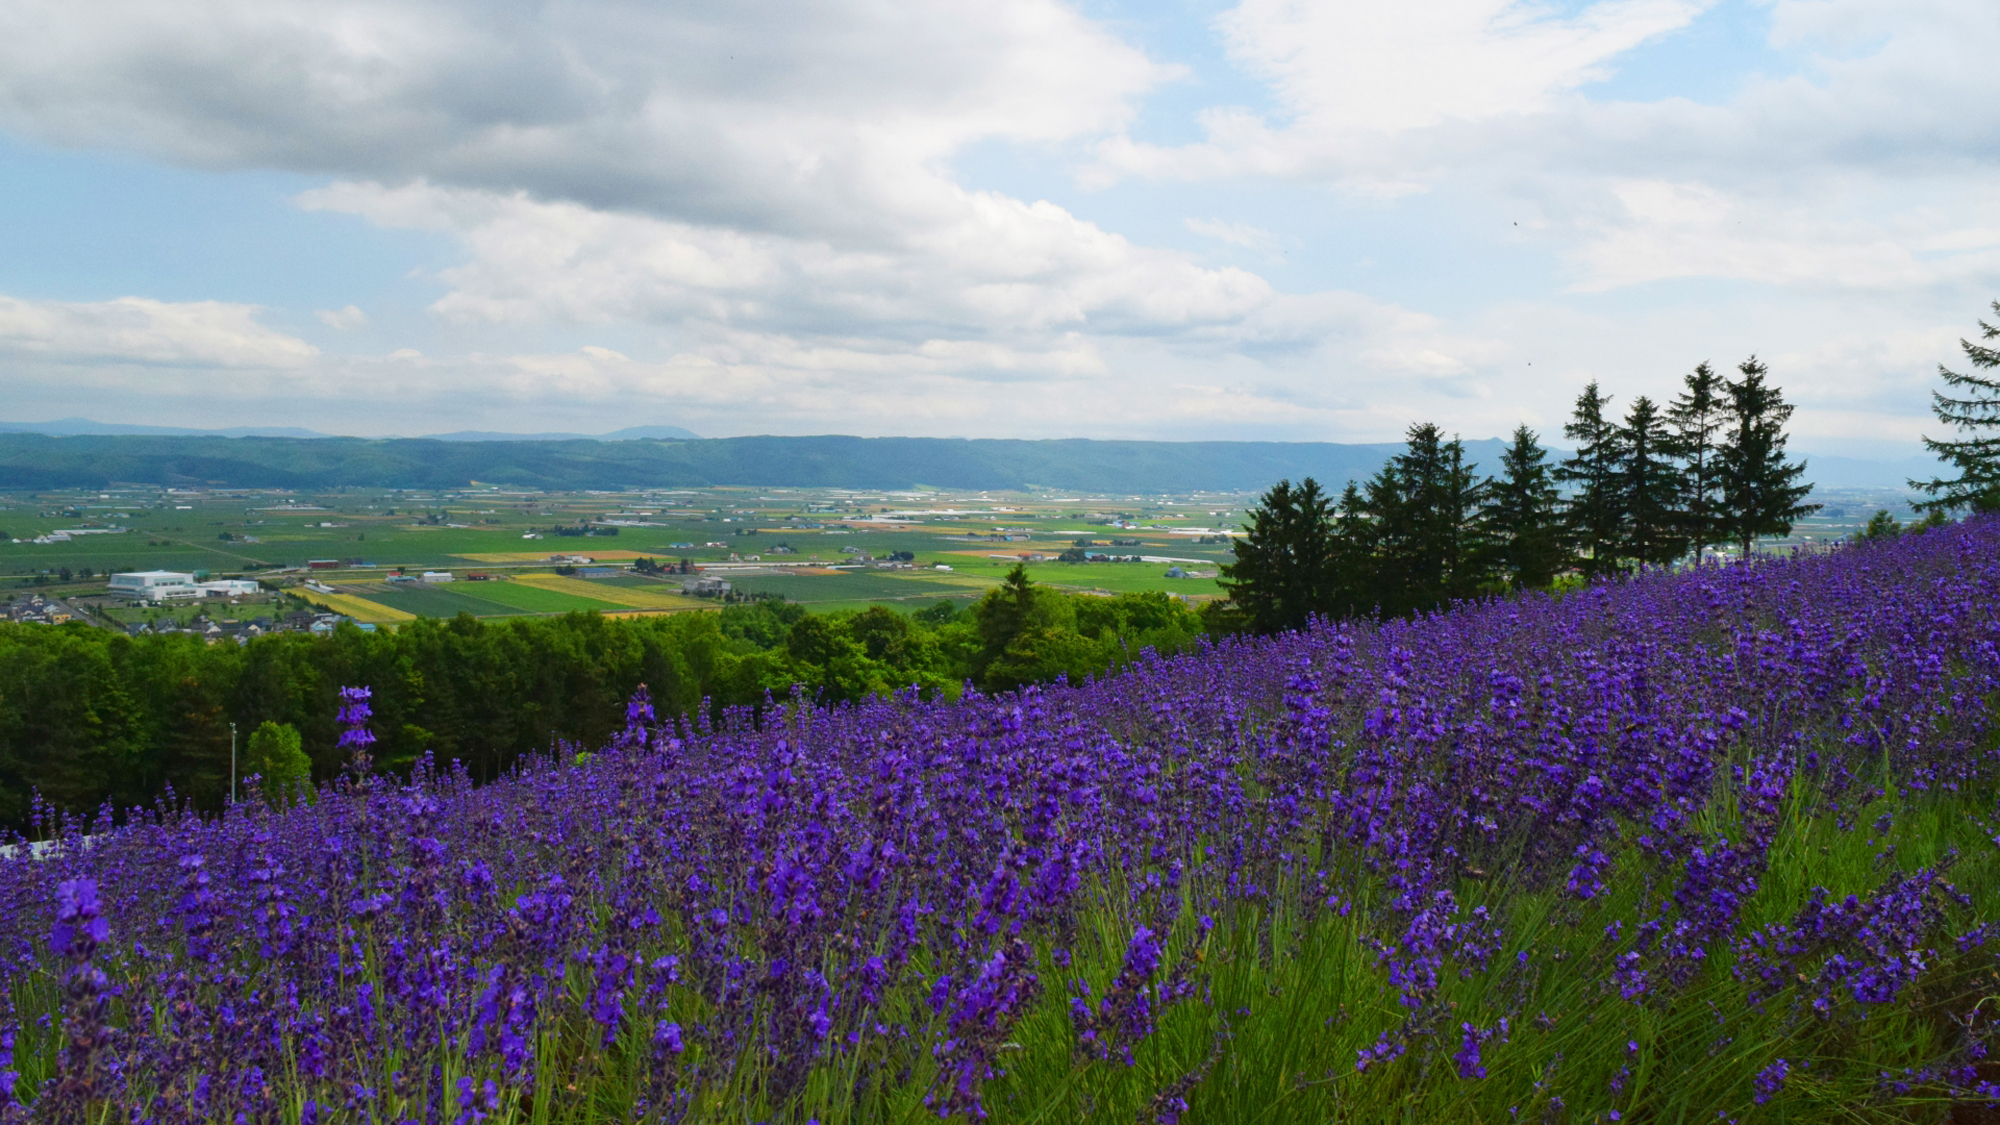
(1272, 220)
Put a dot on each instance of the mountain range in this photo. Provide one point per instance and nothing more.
(79, 427)
(555, 462)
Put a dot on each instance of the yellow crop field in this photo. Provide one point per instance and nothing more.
(360, 609)
(636, 598)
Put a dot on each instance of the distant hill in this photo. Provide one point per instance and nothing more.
(41, 461)
(72, 427)
(68, 427)
(30, 461)
(630, 433)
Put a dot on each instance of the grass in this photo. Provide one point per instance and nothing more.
(621, 597)
(359, 608)
(534, 599)
(1117, 578)
(433, 601)
(1292, 996)
(853, 586)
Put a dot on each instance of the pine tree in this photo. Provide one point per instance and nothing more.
(1648, 488)
(1425, 504)
(1386, 511)
(1595, 523)
(1697, 418)
(1976, 457)
(1460, 495)
(1761, 491)
(1283, 573)
(1353, 556)
(1521, 521)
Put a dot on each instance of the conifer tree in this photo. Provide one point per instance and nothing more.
(1696, 419)
(1592, 514)
(1425, 505)
(1385, 507)
(1648, 488)
(1762, 492)
(1460, 495)
(1283, 572)
(1976, 456)
(1521, 521)
(1353, 558)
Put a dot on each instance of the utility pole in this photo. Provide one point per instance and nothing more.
(232, 763)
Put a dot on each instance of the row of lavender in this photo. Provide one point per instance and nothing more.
(848, 912)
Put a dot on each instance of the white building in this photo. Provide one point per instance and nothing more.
(228, 588)
(154, 585)
(435, 576)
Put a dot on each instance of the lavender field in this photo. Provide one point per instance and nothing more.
(1717, 845)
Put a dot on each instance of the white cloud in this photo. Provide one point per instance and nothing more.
(1679, 230)
(138, 331)
(1352, 78)
(755, 209)
(345, 319)
(1235, 234)
(1390, 67)
(1001, 269)
(828, 118)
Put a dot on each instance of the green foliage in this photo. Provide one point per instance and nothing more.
(89, 715)
(1975, 412)
(1696, 419)
(1521, 523)
(1648, 487)
(1763, 493)
(1593, 512)
(943, 612)
(1881, 526)
(1284, 572)
(277, 757)
(1423, 507)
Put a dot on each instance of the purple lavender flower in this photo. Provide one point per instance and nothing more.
(1771, 1079)
(355, 737)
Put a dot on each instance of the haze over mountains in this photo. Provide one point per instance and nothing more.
(656, 457)
(77, 427)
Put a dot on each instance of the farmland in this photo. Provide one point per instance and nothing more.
(819, 547)
(1686, 846)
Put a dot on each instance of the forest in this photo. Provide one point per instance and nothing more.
(89, 715)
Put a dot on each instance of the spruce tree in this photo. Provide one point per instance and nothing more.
(1595, 523)
(1283, 573)
(1976, 456)
(1386, 507)
(1353, 556)
(1762, 492)
(1425, 504)
(1521, 520)
(1460, 494)
(1696, 418)
(1648, 488)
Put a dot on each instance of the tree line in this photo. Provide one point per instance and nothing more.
(1661, 484)
(89, 716)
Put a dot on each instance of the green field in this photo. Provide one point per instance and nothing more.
(1117, 578)
(430, 601)
(853, 586)
(533, 599)
(638, 581)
